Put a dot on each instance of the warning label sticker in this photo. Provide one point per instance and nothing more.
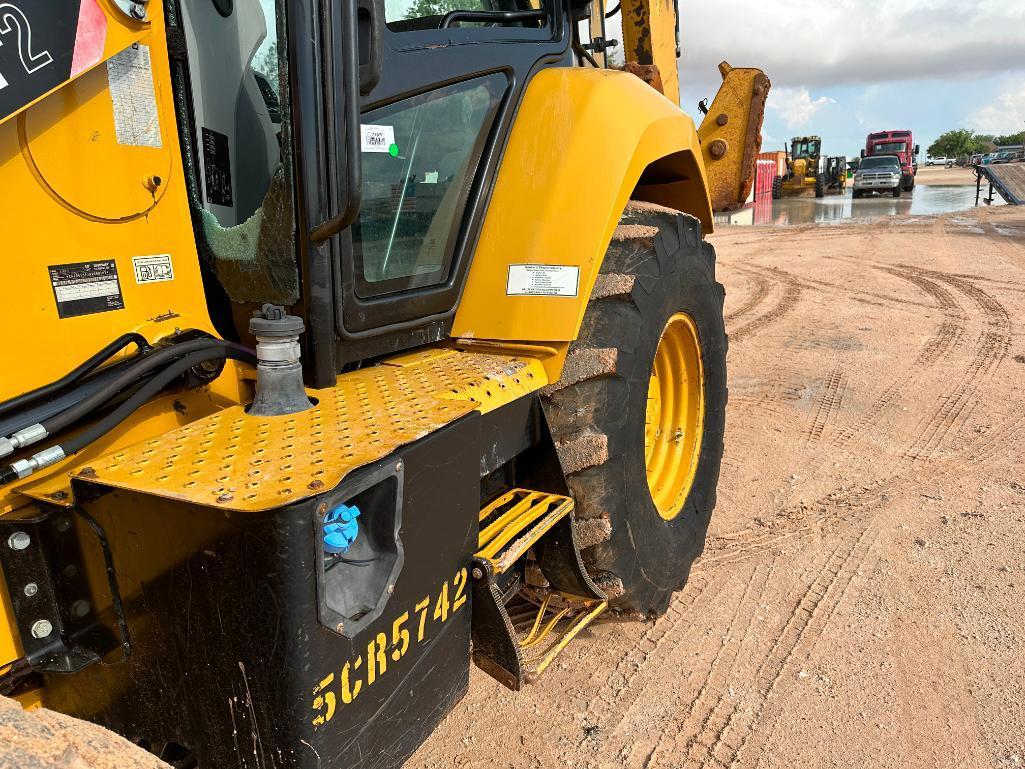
(153, 269)
(135, 106)
(217, 168)
(86, 288)
(542, 280)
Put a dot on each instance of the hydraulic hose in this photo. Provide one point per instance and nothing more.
(130, 376)
(25, 467)
(75, 375)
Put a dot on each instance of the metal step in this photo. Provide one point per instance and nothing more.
(519, 630)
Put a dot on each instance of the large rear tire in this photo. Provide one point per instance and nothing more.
(638, 416)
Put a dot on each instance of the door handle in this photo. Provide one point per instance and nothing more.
(370, 35)
(346, 73)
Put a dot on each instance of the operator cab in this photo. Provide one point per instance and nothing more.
(354, 201)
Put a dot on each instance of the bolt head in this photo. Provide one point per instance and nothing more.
(80, 608)
(70, 570)
(138, 11)
(391, 589)
(340, 628)
(717, 148)
(31, 589)
(722, 119)
(19, 540)
(477, 572)
(41, 628)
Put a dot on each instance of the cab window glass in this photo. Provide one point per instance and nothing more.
(420, 156)
(237, 69)
(407, 15)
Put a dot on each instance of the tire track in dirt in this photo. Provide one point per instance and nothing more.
(722, 744)
(830, 400)
(755, 298)
(609, 708)
(991, 349)
(941, 343)
(844, 505)
(727, 654)
(791, 294)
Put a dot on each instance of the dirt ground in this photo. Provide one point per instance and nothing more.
(938, 175)
(861, 601)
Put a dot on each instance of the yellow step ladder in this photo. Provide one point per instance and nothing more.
(519, 629)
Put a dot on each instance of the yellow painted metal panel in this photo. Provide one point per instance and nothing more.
(562, 188)
(731, 135)
(649, 37)
(236, 462)
(62, 170)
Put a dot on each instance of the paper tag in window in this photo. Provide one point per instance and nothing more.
(542, 280)
(378, 138)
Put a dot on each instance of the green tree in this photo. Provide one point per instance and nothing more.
(421, 8)
(1008, 139)
(958, 144)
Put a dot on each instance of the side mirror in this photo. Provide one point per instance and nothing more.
(917, 149)
(863, 153)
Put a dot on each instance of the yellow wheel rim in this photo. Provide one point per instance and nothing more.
(675, 416)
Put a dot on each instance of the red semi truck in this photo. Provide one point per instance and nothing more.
(899, 143)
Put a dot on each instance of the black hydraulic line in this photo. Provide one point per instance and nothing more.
(614, 11)
(132, 375)
(75, 375)
(151, 388)
(145, 393)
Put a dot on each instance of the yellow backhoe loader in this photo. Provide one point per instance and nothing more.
(348, 340)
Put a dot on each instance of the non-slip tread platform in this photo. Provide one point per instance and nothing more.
(242, 463)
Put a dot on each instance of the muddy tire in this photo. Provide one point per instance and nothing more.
(896, 191)
(820, 187)
(777, 188)
(657, 270)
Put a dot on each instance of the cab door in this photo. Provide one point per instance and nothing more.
(440, 83)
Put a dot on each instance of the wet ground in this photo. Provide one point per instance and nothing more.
(925, 200)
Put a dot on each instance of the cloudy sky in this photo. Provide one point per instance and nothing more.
(844, 68)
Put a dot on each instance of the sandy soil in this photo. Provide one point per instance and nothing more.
(860, 602)
(938, 175)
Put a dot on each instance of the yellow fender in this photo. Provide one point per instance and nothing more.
(585, 141)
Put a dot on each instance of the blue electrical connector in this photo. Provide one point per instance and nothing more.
(340, 528)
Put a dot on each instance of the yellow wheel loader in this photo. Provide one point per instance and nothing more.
(348, 341)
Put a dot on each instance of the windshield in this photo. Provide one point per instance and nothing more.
(881, 162)
(889, 147)
(805, 149)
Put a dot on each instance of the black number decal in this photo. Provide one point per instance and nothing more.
(12, 17)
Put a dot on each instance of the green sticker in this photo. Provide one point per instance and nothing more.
(393, 150)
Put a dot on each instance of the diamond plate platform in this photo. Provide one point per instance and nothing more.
(248, 464)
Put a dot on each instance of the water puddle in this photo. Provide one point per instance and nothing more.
(924, 201)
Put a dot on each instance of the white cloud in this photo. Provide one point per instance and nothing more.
(1005, 115)
(795, 105)
(809, 43)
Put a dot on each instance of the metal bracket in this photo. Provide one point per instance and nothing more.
(45, 572)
